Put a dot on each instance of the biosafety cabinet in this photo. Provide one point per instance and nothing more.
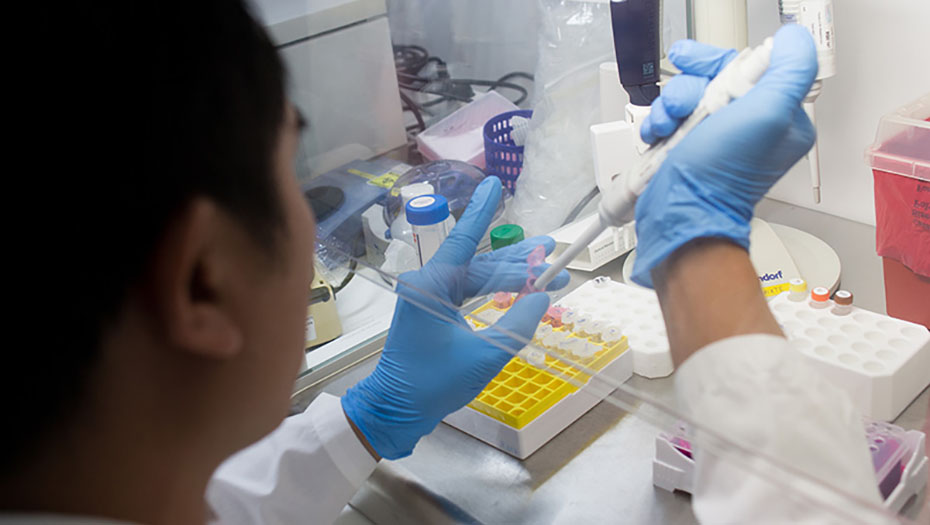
(340, 75)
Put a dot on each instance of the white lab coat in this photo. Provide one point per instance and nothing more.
(753, 388)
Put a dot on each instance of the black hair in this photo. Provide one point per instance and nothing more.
(126, 112)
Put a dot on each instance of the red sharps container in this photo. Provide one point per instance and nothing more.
(900, 161)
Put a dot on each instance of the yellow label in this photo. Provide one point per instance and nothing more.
(770, 291)
(382, 181)
(385, 181)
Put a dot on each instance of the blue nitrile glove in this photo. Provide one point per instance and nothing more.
(430, 366)
(712, 180)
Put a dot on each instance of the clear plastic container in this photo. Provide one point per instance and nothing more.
(460, 136)
(888, 445)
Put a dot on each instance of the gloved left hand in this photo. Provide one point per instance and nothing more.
(433, 363)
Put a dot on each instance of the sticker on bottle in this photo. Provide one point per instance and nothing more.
(817, 17)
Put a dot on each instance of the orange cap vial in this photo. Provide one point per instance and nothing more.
(843, 298)
(820, 294)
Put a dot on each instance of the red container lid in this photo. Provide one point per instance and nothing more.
(902, 142)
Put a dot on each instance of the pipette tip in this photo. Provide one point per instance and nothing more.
(816, 194)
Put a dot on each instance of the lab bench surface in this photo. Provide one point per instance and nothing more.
(599, 469)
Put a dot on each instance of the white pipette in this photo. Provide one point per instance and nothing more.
(616, 207)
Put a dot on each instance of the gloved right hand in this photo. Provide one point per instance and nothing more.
(711, 181)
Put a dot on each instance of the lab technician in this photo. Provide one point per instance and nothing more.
(169, 252)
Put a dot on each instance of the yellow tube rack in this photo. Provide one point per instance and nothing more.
(521, 392)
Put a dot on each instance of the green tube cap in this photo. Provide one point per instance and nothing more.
(505, 235)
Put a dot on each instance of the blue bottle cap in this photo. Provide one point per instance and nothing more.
(427, 209)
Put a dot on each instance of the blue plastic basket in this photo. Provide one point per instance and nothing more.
(502, 158)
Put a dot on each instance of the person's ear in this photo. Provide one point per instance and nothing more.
(194, 279)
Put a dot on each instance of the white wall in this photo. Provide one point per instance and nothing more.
(883, 62)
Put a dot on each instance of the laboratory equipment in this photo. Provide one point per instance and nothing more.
(526, 405)
(427, 215)
(788, 255)
(353, 108)
(883, 363)
(610, 244)
(842, 302)
(900, 161)
(901, 465)
(338, 199)
(461, 135)
(323, 324)
(634, 311)
(400, 228)
(820, 298)
(503, 156)
(454, 180)
(797, 289)
(616, 206)
(505, 235)
(636, 25)
(817, 17)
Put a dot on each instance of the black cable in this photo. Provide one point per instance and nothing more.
(353, 264)
(572, 215)
(414, 108)
(410, 59)
(434, 92)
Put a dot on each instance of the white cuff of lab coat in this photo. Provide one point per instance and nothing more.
(340, 441)
(303, 472)
(757, 391)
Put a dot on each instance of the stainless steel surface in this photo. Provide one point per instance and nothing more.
(599, 469)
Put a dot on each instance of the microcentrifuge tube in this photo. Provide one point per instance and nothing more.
(503, 300)
(591, 349)
(536, 357)
(554, 340)
(543, 330)
(842, 301)
(797, 289)
(573, 346)
(820, 298)
(581, 323)
(594, 329)
(612, 335)
(569, 317)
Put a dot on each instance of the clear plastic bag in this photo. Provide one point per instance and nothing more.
(574, 38)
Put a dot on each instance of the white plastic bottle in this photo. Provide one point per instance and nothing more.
(427, 216)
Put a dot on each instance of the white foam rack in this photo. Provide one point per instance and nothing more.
(637, 312)
(883, 363)
(673, 470)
